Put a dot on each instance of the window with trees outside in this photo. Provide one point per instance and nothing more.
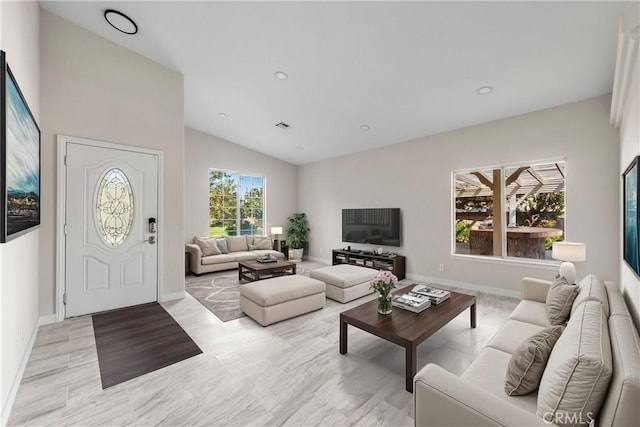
(236, 203)
(510, 211)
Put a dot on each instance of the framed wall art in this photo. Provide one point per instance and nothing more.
(19, 160)
(631, 236)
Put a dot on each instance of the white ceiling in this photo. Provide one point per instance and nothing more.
(406, 69)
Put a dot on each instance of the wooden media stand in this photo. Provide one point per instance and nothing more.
(395, 264)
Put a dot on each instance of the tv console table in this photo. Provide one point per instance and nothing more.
(395, 264)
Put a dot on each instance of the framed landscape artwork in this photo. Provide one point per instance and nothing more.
(19, 160)
(631, 231)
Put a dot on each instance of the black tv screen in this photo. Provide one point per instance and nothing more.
(379, 226)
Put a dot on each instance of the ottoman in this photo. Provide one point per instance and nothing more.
(345, 282)
(272, 300)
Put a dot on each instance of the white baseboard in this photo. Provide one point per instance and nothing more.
(13, 391)
(171, 296)
(465, 285)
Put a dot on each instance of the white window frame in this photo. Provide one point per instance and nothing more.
(504, 258)
(264, 195)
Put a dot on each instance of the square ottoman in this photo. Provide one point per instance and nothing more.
(272, 300)
(345, 282)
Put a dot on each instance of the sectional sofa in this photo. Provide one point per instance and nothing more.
(215, 253)
(592, 373)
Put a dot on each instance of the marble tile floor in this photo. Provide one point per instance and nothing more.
(289, 373)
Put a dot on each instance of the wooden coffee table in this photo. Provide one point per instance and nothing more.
(404, 327)
(254, 270)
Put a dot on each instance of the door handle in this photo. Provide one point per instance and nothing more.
(151, 240)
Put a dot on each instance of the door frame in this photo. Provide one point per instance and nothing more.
(61, 211)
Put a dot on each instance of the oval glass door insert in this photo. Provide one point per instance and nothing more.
(114, 207)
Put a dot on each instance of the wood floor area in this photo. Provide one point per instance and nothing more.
(137, 340)
(290, 373)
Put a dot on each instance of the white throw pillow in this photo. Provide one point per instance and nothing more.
(261, 242)
(207, 245)
(237, 243)
(222, 245)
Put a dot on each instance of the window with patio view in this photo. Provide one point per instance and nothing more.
(236, 203)
(529, 199)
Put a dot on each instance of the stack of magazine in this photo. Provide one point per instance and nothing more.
(435, 295)
(411, 301)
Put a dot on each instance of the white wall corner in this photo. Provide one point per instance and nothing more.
(626, 57)
(164, 297)
(13, 391)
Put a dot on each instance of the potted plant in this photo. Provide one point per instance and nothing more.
(297, 232)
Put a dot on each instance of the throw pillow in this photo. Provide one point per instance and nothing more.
(222, 245)
(527, 364)
(207, 245)
(560, 300)
(237, 243)
(260, 242)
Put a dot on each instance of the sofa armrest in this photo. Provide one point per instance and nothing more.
(195, 259)
(535, 289)
(444, 399)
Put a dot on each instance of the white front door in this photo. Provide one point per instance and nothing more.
(111, 252)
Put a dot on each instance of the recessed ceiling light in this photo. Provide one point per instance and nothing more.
(222, 115)
(365, 127)
(120, 21)
(485, 90)
(281, 75)
(299, 147)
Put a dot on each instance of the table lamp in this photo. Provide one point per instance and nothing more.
(569, 252)
(276, 231)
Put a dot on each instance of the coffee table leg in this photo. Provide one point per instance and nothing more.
(472, 312)
(343, 336)
(410, 366)
(240, 272)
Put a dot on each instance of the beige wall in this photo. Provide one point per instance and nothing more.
(93, 88)
(203, 151)
(19, 257)
(416, 177)
(629, 148)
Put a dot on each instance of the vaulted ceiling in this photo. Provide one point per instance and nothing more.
(364, 74)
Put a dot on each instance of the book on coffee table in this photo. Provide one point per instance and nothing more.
(434, 294)
(411, 301)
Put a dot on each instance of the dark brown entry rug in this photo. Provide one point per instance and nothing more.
(134, 341)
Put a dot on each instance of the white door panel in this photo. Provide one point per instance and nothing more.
(111, 194)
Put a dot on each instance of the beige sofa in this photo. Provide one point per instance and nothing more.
(599, 325)
(240, 248)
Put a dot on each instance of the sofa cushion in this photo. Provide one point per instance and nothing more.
(237, 243)
(512, 334)
(487, 371)
(207, 245)
(576, 379)
(617, 306)
(529, 360)
(621, 407)
(559, 301)
(260, 242)
(245, 255)
(218, 259)
(531, 312)
(222, 245)
(591, 288)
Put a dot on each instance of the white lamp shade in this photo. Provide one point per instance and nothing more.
(276, 230)
(568, 251)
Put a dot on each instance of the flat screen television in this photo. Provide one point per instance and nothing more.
(377, 226)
